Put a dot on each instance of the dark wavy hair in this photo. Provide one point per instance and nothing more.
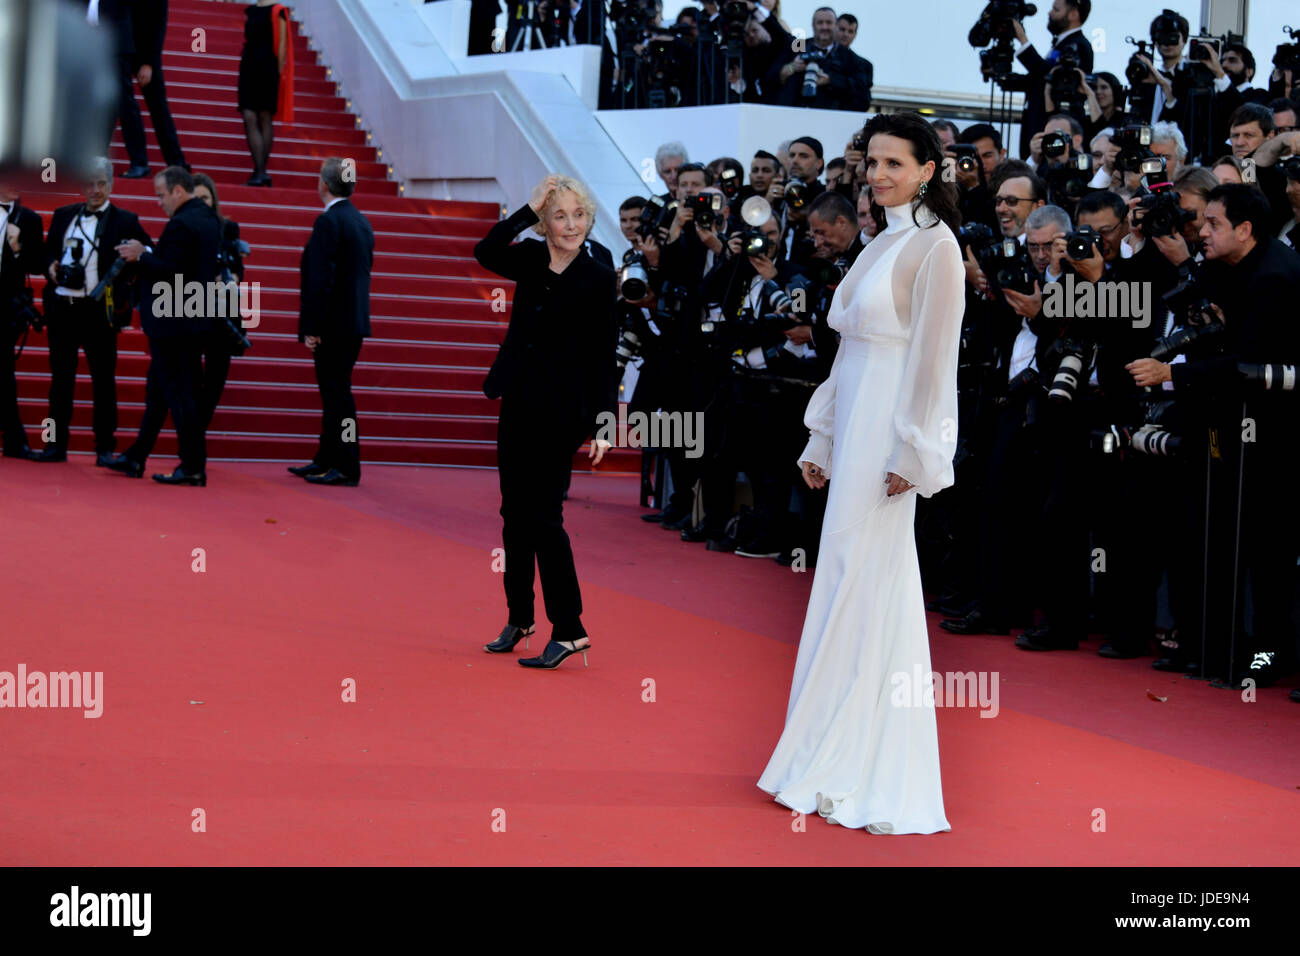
(940, 196)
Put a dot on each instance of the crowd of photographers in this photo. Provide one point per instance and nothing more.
(1127, 375)
(731, 51)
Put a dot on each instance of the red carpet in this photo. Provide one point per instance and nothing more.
(222, 692)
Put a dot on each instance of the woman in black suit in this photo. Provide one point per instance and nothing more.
(557, 378)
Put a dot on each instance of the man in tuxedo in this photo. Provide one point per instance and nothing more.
(1065, 22)
(139, 28)
(334, 319)
(87, 234)
(20, 256)
(186, 252)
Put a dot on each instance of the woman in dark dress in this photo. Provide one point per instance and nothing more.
(262, 73)
(557, 377)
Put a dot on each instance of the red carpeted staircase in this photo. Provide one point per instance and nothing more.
(418, 382)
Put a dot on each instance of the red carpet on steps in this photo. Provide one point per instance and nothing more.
(418, 379)
(223, 692)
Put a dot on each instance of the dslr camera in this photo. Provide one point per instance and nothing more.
(72, 275)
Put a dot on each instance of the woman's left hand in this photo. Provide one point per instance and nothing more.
(895, 485)
(598, 448)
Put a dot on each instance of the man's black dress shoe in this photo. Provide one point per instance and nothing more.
(676, 524)
(311, 468)
(1120, 652)
(510, 636)
(136, 172)
(553, 654)
(1295, 695)
(1043, 638)
(49, 453)
(974, 622)
(23, 451)
(182, 477)
(725, 544)
(124, 465)
(697, 534)
(656, 517)
(333, 477)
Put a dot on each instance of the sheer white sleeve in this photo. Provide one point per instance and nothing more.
(925, 418)
(820, 419)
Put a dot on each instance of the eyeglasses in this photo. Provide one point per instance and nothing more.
(1284, 129)
(1012, 201)
(1107, 231)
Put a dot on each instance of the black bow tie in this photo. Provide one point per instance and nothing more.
(93, 212)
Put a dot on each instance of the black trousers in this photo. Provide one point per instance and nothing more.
(340, 443)
(1063, 531)
(535, 449)
(207, 391)
(11, 422)
(175, 377)
(1010, 516)
(77, 325)
(155, 97)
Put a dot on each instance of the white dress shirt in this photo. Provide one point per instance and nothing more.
(83, 227)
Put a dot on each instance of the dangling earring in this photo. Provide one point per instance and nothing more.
(921, 192)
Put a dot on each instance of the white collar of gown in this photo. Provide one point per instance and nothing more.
(899, 218)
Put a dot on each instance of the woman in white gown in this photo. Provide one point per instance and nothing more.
(860, 744)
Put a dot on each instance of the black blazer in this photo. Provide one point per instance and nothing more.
(586, 323)
(335, 274)
(16, 267)
(1034, 117)
(118, 225)
(115, 17)
(849, 87)
(188, 249)
(149, 27)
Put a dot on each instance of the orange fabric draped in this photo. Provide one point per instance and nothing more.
(284, 107)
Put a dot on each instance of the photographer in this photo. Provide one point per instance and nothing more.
(1238, 64)
(1064, 136)
(1071, 50)
(21, 255)
(804, 159)
(1110, 98)
(1004, 346)
(1182, 89)
(80, 252)
(753, 419)
(824, 75)
(763, 169)
(1253, 282)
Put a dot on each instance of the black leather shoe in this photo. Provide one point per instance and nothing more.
(49, 453)
(1043, 638)
(23, 451)
(656, 517)
(182, 477)
(311, 468)
(333, 477)
(974, 623)
(554, 653)
(1295, 695)
(724, 544)
(1120, 652)
(136, 172)
(695, 535)
(510, 636)
(124, 465)
(676, 524)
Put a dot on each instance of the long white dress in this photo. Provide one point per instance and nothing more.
(860, 745)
